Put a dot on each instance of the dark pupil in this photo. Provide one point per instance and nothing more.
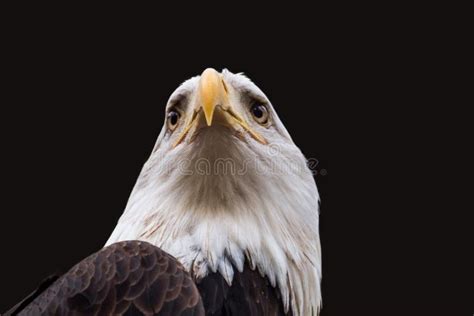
(257, 111)
(173, 117)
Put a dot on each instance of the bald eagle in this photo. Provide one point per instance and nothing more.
(223, 219)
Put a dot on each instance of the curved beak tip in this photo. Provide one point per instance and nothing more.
(209, 113)
(211, 92)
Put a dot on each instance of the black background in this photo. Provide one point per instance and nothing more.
(83, 108)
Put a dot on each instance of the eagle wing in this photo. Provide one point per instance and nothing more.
(125, 278)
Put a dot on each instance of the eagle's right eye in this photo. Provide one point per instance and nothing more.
(173, 118)
(260, 113)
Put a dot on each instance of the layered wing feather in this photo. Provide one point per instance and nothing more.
(125, 278)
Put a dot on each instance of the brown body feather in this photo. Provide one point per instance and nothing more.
(250, 294)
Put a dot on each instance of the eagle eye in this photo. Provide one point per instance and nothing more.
(259, 113)
(173, 118)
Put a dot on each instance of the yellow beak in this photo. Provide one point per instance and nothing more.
(212, 93)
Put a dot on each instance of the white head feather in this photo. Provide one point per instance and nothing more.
(220, 197)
